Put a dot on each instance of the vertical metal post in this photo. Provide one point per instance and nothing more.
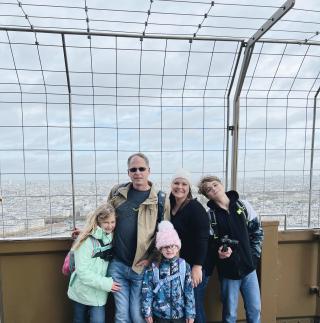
(312, 153)
(244, 68)
(236, 112)
(70, 129)
(226, 181)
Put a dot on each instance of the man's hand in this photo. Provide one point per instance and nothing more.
(196, 275)
(224, 254)
(115, 287)
(75, 232)
(149, 319)
(143, 263)
(189, 320)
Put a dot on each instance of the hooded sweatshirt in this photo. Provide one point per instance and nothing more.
(246, 229)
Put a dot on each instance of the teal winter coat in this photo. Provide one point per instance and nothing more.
(88, 283)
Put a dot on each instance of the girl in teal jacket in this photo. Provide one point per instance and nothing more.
(89, 286)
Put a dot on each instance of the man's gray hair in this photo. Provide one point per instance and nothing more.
(141, 155)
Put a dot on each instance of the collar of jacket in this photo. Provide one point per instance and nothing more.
(170, 261)
(232, 195)
(99, 233)
(152, 198)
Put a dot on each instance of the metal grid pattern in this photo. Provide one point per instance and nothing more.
(278, 110)
(232, 19)
(76, 99)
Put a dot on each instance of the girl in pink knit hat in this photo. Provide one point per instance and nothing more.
(167, 292)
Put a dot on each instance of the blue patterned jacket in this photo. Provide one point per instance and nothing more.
(171, 301)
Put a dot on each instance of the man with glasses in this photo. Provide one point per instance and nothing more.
(136, 205)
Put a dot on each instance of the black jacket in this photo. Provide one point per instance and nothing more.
(192, 224)
(247, 231)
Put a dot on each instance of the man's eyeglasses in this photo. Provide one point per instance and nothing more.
(135, 169)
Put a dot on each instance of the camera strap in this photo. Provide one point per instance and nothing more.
(99, 248)
(213, 224)
(240, 209)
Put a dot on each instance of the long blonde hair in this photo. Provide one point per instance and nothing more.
(101, 213)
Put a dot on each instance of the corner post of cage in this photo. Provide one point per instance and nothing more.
(236, 113)
(70, 128)
(244, 68)
(228, 114)
(314, 118)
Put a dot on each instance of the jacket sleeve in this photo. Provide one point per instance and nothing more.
(189, 300)
(166, 215)
(112, 193)
(147, 293)
(85, 268)
(255, 230)
(200, 227)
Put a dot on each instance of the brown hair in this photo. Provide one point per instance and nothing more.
(203, 183)
(184, 203)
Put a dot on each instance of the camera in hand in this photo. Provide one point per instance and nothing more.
(226, 242)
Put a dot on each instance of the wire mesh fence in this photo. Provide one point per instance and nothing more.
(84, 87)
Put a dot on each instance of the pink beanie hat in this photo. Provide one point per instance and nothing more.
(167, 235)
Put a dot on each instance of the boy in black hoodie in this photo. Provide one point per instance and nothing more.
(235, 220)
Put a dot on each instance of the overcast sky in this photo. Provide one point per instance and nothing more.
(129, 95)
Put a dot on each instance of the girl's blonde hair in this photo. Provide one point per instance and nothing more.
(101, 213)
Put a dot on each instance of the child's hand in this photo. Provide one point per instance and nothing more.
(115, 287)
(149, 319)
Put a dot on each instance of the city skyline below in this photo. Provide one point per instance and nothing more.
(52, 213)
